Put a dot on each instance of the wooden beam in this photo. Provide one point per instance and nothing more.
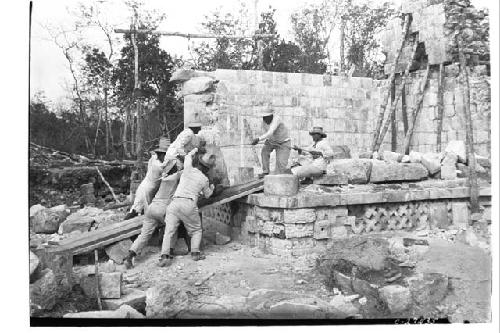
(192, 35)
(116, 232)
(394, 128)
(469, 134)
(440, 106)
(404, 113)
(416, 111)
(385, 101)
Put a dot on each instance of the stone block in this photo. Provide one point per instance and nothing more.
(388, 172)
(396, 297)
(457, 147)
(132, 297)
(432, 162)
(331, 179)
(281, 185)
(390, 156)
(460, 214)
(356, 170)
(118, 251)
(293, 230)
(323, 229)
(333, 215)
(297, 216)
(415, 157)
(439, 215)
(197, 85)
(109, 283)
(43, 293)
(449, 159)
(448, 172)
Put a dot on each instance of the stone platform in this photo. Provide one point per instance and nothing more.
(317, 215)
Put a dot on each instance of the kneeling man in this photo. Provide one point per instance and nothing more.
(314, 158)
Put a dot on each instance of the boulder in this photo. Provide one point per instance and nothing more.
(415, 157)
(43, 292)
(458, 148)
(405, 159)
(109, 283)
(483, 161)
(356, 170)
(164, 301)
(449, 159)
(221, 239)
(387, 172)
(341, 152)
(124, 312)
(119, 251)
(47, 221)
(282, 185)
(391, 157)
(428, 288)
(432, 162)
(366, 154)
(197, 85)
(35, 209)
(448, 172)
(396, 297)
(82, 220)
(133, 297)
(344, 304)
(34, 263)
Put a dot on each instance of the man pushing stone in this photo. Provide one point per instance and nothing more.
(277, 139)
(192, 183)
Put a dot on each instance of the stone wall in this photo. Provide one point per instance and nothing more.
(347, 108)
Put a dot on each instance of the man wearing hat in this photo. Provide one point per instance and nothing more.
(150, 184)
(183, 206)
(314, 158)
(187, 140)
(276, 138)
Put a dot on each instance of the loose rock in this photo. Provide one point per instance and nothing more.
(34, 263)
(119, 251)
(110, 285)
(356, 170)
(458, 148)
(43, 292)
(221, 239)
(47, 221)
(432, 162)
(396, 297)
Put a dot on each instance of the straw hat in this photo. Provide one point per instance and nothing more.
(163, 145)
(207, 160)
(194, 124)
(317, 130)
(268, 111)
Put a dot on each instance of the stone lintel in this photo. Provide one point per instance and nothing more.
(307, 200)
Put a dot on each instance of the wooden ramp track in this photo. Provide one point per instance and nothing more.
(126, 229)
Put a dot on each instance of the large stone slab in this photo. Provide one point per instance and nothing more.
(81, 220)
(281, 185)
(197, 85)
(331, 179)
(47, 221)
(124, 312)
(109, 283)
(388, 172)
(356, 170)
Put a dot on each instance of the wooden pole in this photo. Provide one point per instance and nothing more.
(383, 106)
(394, 129)
(192, 35)
(469, 134)
(97, 286)
(416, 111)
(440, 106)
(404, 113)
(392, 111)
(107, 184)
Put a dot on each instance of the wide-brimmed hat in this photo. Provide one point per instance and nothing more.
(268, 111)
(163, 145)
(207, 160)
(317, 130)
(194, 124)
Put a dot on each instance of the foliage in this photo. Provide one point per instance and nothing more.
(362, 24)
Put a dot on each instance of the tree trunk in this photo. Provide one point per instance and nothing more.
(106, 119)
(392, 111)
(440, 107)
(394, 128)
(416, 110)
(404, 113)
(383, 107)
(139, 134)
(342, 46)
(125, 132)
(97, 131)
(469, 134)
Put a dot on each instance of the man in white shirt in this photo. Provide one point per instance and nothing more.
(276, 138)
(314, 158)
(183, 207)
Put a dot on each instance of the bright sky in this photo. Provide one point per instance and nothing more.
(49, 70)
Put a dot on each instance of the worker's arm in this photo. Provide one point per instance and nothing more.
(208, 189)
(182, 140)
(327, 150)
(272, 128)
(188, 160)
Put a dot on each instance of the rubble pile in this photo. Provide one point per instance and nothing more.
(472, 24)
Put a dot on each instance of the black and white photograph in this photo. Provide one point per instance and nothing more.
(260, 163)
